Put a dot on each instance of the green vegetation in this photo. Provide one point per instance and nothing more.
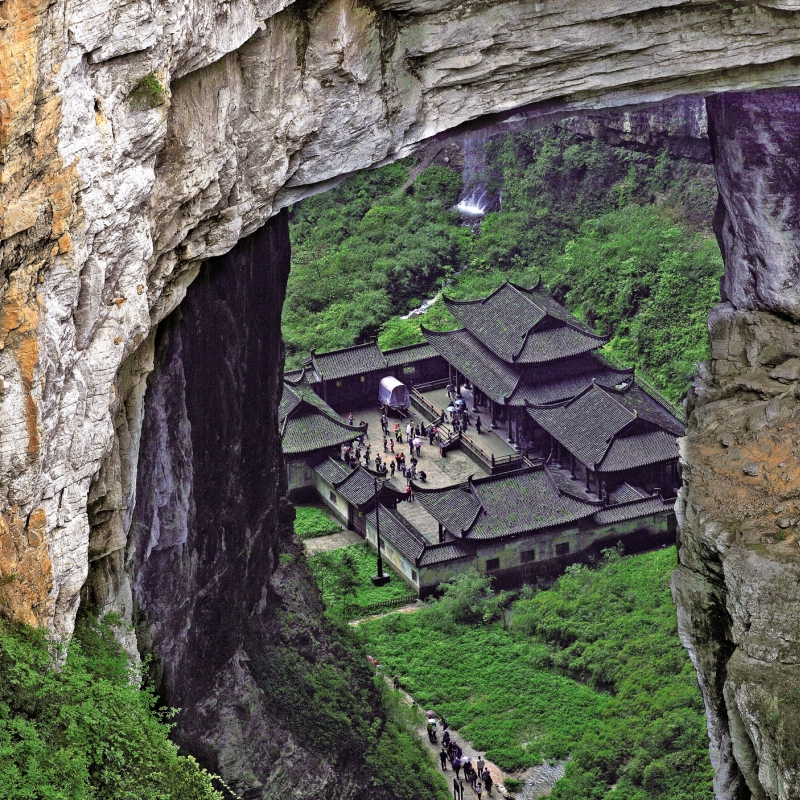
(591, 668)
(147, 91)
(314, 520)
(333, 704)
(367, 251)
(344, 575)
(85, 730)
(623, 238)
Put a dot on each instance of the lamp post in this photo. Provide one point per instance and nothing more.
(381, 578)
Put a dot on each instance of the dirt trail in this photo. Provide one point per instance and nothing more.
(498, 776)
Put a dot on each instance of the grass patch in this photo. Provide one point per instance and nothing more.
(314, 520)
(344, 576)
(592, 668)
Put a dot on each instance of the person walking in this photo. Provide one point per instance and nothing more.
(480, 764)
(479, 789)
(385, 445)
(457, 767)
(487, 780)
(391, 468)
(397, 435)
(384, 423)
(431, 434)
(443, 759)
(445, 723)
(446, 736)
(350, 418)
(409, 433)
(478, 423)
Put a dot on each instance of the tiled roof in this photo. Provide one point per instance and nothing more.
(612, 430)
(628, 511)
(358, 487)
(456, 507)
(409, 353)
(307, 432)
(625, 493)
(524, 326)
(398, 532)
(356, 360)
(494, 377)
(567, 379)
(332, 471)
(543, 346)
(448, 551)
(307, 423)
(514, 503)
(639, 450)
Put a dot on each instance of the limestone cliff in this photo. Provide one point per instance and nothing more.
(738, 584)
(109, 209)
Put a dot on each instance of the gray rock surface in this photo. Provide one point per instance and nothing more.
(108, 211)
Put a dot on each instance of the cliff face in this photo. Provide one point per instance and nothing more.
(109, 211)
(738, 584)
(219, 596)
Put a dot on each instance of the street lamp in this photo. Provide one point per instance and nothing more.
(381, 578)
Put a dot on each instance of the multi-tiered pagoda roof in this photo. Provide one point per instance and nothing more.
(612, 430)
(520, 346)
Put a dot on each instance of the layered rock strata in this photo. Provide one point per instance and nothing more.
(738, 584)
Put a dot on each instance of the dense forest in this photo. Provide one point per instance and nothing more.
(623, 238)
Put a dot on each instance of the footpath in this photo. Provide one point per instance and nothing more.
(498, 776)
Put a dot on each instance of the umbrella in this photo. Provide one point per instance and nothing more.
(450, 409)
(430, 714)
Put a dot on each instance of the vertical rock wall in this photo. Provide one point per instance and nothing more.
(220, 597)
(738, 583)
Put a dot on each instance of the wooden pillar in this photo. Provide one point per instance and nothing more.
(510, 438)
(572, 466)
(494, 413)
(441, 533)
(588, 477)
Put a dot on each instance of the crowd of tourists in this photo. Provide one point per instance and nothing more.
(476, 774)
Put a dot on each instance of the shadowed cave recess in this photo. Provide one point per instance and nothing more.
(223, 614)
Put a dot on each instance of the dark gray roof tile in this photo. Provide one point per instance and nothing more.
(358, 360)
(628, 511)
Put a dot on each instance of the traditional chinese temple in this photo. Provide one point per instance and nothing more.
(593, 451)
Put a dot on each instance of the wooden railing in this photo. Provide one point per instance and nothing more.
(431, 385)
(355, 610)
(424, 405)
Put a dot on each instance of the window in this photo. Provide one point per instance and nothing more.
(338, 383)
(414, 576)
(562, 549)
(362, 379)
(332, 497)
(492, 563)
(528, 555)
(409, 370)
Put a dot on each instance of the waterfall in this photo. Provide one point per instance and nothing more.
(476, 200)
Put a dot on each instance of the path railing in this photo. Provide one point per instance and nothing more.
(355, 610)
(424, 405)
(431, 385)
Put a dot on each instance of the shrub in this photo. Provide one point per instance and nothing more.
(85, 730)
(147, 91)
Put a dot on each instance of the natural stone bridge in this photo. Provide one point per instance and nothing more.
(108, 213)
